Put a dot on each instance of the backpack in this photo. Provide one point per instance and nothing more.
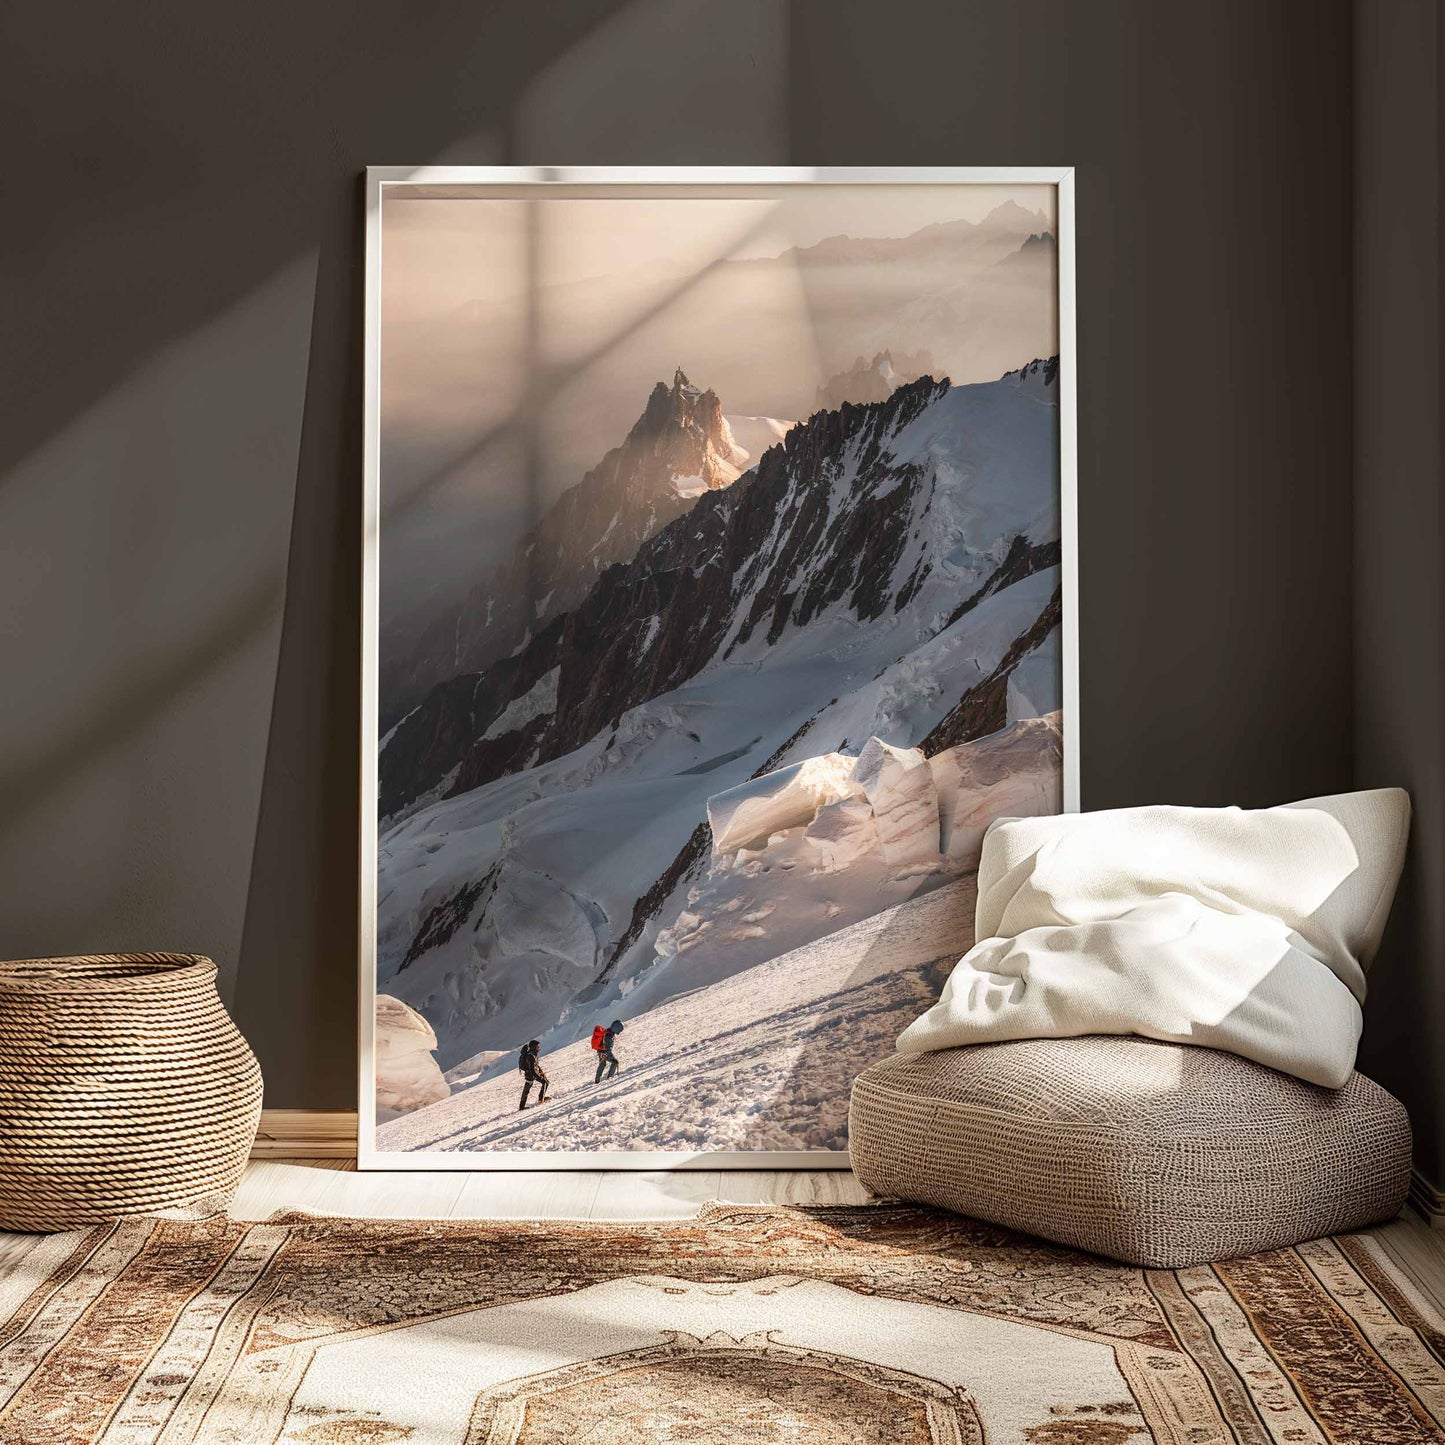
(599, 1038)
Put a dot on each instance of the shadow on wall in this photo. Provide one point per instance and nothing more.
(180, 768)
(143, 565)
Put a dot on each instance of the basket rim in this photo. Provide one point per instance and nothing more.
(67, 972)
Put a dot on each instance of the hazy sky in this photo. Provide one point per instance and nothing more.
(520, 337)
(442, 251)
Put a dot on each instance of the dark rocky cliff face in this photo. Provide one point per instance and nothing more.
(432, 740)
(678, 449)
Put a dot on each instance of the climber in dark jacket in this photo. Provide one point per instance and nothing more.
(604, 1054)
(532, 1073)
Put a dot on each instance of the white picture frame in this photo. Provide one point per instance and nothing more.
(382, 180)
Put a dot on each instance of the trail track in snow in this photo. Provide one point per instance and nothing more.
(763, 1060)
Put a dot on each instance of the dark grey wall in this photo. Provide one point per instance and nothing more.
(1400, 531)
(179, 458)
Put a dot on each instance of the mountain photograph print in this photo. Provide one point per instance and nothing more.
(718, 609)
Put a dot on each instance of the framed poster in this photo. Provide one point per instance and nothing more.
(719, 591)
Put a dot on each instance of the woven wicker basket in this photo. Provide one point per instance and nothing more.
(124, 1089)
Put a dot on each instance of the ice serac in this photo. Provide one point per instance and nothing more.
(678, 449)
(899, 787)
(1016, 773)
(407, 1075)
(744, 816)
(840, 835)
(914, 824)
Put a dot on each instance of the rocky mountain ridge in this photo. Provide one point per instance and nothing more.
(823, 522)
(680, 447)
(1002, 230)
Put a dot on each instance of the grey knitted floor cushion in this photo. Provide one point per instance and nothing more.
(1158, 1154)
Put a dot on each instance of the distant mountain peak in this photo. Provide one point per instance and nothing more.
(936, 240)
(685, 419)
(873, 380)
(1010, 212)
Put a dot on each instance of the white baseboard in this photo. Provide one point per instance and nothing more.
(315, 1134)
(1428, 1201)
(305, 1134)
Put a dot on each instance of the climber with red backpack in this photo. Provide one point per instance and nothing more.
(602, 1044)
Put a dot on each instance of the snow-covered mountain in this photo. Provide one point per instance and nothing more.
(884, 581)
(680, 447)
(862, 513)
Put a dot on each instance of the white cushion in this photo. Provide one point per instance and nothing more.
(1244, 930)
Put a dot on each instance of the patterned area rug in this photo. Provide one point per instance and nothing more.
(866, 1326)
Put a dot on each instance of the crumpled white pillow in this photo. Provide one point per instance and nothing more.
(1243, 930)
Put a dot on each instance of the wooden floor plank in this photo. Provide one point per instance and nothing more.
(677, 1194)
(528, 1194)
(791, 1186)
(400, 1195)
(269, 1185)
(570, 1194)
(14, 1248)
(1418, 1252)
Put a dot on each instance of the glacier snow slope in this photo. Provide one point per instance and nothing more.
(758, 1061)
(566, 847)
(574, 840)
